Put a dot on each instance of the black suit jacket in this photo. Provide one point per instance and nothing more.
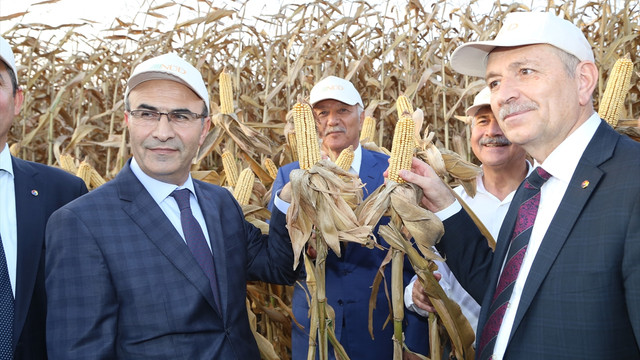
(581, 299)
(39, 191)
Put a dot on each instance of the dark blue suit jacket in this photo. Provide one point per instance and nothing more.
(122, 283)
(581, 299)
(39, 191)
(348, 286)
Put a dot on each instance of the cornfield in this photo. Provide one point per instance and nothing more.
(74, 83)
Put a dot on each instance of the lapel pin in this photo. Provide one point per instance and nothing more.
(34, 192)
(585, 184)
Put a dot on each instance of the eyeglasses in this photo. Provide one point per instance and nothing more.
(152, 117)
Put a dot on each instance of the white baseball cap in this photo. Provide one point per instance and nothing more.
(483, 98)
(523, 28)
(169, 67)
(6, 55)
(333, 87)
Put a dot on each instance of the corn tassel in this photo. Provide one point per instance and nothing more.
(271, 167)
(305, 125)
(244, 186)
(226, 93)
(368, 129)
(345, 158)
(402, 148)
(616, 91)
(230, 168)
(403, 106)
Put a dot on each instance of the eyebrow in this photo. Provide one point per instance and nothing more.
(150, 107)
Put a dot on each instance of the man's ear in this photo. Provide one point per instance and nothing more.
(587, 77)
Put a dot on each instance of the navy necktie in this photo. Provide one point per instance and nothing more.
(195, 239)
(527, 212)
(6, 307)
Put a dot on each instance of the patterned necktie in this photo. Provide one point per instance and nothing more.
(195, 239)
(519, 241)
(6, 309)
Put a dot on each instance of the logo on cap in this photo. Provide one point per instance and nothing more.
(334, 87)
(169, 67)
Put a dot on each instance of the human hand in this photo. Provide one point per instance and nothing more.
(285, 193)
(436, 195)
(311, 246)
(420, 298)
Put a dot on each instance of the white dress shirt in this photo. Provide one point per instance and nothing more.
(355, 169)
(8, 222)
(161, 193)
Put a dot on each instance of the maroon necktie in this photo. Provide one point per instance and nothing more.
(195, 239)
(519, 241)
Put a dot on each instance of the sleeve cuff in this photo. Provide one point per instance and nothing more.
(449, 211)
(282, 205)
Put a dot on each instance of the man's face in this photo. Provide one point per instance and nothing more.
(489, 144)
(339, 125)
(536, 101)
(9, 105)
(163, 150)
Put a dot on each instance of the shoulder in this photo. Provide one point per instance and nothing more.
(47, 175)
(375, 155)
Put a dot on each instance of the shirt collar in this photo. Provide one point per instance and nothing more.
(5, 160)
(357, 160)
(157, 189)
(563, 160)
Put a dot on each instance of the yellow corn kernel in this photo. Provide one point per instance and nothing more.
(368, 129)
(67, 163)
(616, 91)
(293, 145)
(403, 106)
(244, 186)
(84, 173)
(271, 167)
(345, 158)
(226, 93)
(307, 135)
(230, 168)
(402, 148)
(14, 149)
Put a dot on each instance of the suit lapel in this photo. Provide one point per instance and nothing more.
(599, 150)
(30, 231)
(208, 203)
(371, 172)
(146, 213)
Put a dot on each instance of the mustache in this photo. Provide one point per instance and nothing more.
(332, 129)
(170, 144)
(511, 108)
(495, 140)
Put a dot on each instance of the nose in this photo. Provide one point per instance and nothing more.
(494, 128)
(164, 130)
(505, 93)
(333, 118)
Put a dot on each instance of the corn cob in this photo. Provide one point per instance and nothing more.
(402, 148)
(96, 179)
(345, 158)
(616, 91)
(368, 129)
(268, 164)
(14, 149)
(67, 163)
(230, 168)
(244, 186)
(403, 106)
(226, 93)
(305, 125)
(293, 145)
(84, 173)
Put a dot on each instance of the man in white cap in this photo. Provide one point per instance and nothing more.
(339, 113)
(504, 166)
(29, 193)
(154, 264)
(564, 281)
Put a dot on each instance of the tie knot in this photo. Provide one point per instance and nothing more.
(182, 198)
(537, 178)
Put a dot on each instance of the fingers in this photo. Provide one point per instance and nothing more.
(420, 298)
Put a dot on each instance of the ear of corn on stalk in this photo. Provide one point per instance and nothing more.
(368, 129)
(244, 186)
(402, 148)
(306, 135)
(292, 141)
(226, 93)
(271, 167)
(403, 106)
(230, 168)
(345, 158)
(616, 91)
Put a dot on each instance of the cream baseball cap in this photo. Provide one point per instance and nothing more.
(523, 28)
(333, 87)
(483, 98)
(6, 55)
(169, 67)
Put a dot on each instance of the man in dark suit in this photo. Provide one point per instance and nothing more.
(339, 112)
(129, 269)
(571, 291)
(30, 192)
